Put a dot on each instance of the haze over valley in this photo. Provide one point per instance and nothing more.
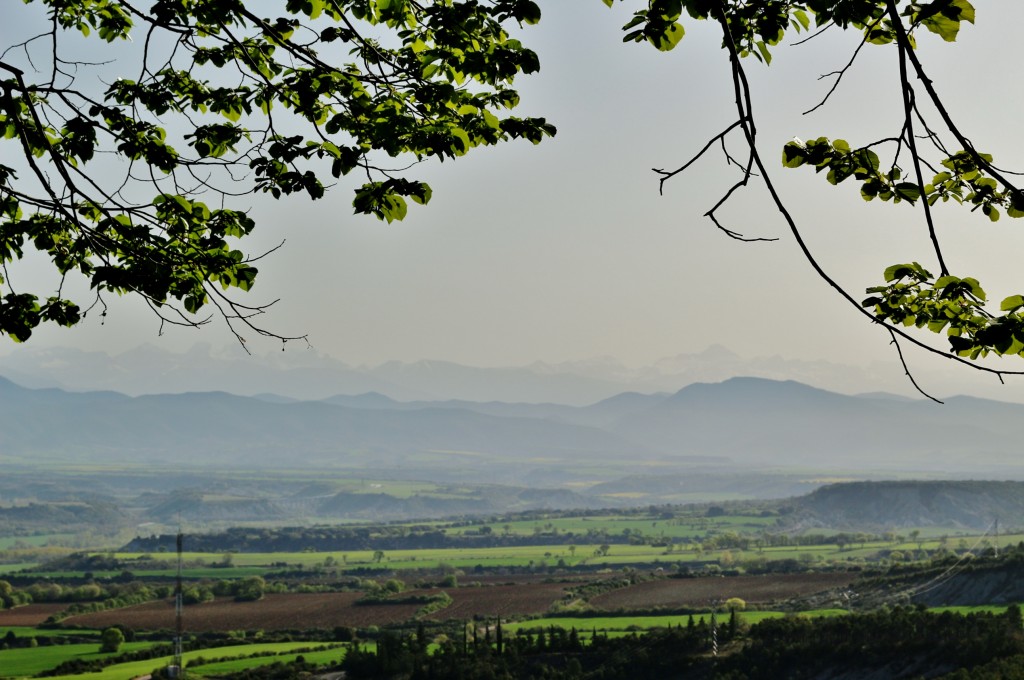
(306, 438)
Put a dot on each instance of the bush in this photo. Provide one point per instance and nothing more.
(111, 640)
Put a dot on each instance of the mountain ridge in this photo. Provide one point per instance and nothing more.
(745, 422)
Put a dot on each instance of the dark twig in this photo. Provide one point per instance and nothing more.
(840, 73)
(906, 370)
(667, 175)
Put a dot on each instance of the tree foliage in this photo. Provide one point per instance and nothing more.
(214, 99)
(111, 640)
(928, 160)
(106, 166)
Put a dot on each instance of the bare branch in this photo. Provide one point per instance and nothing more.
(840, 73)
(896, 343)
(667, 175)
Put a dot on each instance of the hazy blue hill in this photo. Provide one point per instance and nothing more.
(45, 395)
(472, 383)
(884, 396)
(746, 423)
(274, 398)
(607, 411)
(751, 419)
(895, 504)
(491, 499)
(374, 400)
(766, 422)
(365, 400)
(600, 414)
(193, 506)
(219, 428)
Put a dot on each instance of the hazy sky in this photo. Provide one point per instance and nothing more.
(565, 250)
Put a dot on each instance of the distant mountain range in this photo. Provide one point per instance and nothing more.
(741, 424)
(305, 374)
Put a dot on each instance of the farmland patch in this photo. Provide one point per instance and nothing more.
(273, 612)
(29, 614)
(706, 591)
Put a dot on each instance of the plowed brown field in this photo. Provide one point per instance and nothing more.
(532, 598)
(327, 610)
(273, 612)
(29, 614)
(682, 592)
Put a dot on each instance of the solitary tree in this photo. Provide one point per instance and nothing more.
(111, 640)
(130, 170)
(735, 604)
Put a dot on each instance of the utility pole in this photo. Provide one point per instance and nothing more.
(177, 670)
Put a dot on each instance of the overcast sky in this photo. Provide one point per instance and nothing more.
(565, 251)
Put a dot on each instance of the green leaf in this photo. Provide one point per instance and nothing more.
(763, 50)
(900, 271)
(794, 154)
(529, 12)
(1012, 303)
(975, 287)
(908, 191)
(802, 18)
(669, 38)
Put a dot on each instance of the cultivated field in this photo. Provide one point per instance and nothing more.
(705, 592)
(327, 610)
(503, 600)
(29, 614)
(274, 612)
(289, 611)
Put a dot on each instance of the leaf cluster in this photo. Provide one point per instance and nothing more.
(913, 297)
(756, 25)
(229, 101)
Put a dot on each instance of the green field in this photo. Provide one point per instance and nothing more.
(12, 567)
(640, 623)
(245, 564)
(9, 542)
(249, 564)
(29, 631)
(611, 525)
(27, 661)
(319, 658)
(683, 534)
(127, 671)
(674, 531)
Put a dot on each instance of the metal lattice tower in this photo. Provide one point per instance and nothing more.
(177, 670)
(714, 636)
